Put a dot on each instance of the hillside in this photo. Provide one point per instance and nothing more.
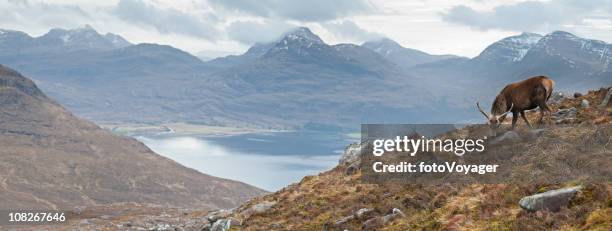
(52, 159)
(328, 200)
(339, 199)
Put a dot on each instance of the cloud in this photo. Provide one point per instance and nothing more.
(250, 32)
(167, 20)
(39, 14)
(305, 11)
(351, 31)
(529, 15)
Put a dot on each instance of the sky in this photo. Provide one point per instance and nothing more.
(212, 28)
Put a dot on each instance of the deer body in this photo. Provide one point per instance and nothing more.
(518, 97)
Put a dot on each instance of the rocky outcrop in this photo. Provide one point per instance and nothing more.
(225, 224)
(508, 137)
(351, 158)
(552, 200)
(565, 115)
(257, 209)
(377, 222)
(359, 214)
(606, 100)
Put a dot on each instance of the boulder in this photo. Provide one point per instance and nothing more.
(565, 115)
(556, 97)
(508, 137)
(552, 200)
(577, 95)
(359, 214)
(364, 212)
(377, 222)
(219, 214)
(161, 227)
(535, 133)
(257, 209)
(584, 103)
(344, 220)
(225, 224)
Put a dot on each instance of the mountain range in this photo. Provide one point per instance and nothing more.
(50, 159)
(294, 82)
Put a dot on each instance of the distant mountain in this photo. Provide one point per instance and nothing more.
(576, 64)
(297, 80)
(253, 53)
(52, 159)
(302, 80)
(510, 49)
(61, 40)
(402, 56)
(574, 61)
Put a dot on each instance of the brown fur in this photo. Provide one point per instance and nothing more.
(524, 95)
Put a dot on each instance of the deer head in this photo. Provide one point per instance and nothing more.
(492, 119)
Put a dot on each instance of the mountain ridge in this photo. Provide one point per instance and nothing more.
(51, 159)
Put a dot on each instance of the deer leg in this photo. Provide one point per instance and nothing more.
(514, 118)
(525, 118)
(544, 109)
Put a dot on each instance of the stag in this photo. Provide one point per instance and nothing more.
(518, 97)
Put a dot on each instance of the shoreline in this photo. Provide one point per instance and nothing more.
(180, 129)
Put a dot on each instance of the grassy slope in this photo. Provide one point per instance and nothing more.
(317, 202)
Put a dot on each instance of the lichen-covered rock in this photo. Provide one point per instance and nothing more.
(377, 222)
(257, 208)
(225, 224)
(552, 200)
(508, 137)
(361, 213)
(219, 214)
(565, 115)
(351, 154)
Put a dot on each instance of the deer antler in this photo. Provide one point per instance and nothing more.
(482, 111)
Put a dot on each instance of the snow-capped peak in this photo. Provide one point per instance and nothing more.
(511, 49)
(303, 34)
(83, 37)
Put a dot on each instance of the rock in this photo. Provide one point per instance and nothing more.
(577, 95)
(606, 99)
(219, 214)
(398, 212)
(351, 158)
(364, 212)
(344, 220)
(565, 115)
(373, 224)
(556, 97)
(351, 154)
(225, 224)
(535, 133)
(377, 222)
(258, 208)
(552, 200)
(161, 227)
(509, 136)
(276, 226)
(584, 103)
